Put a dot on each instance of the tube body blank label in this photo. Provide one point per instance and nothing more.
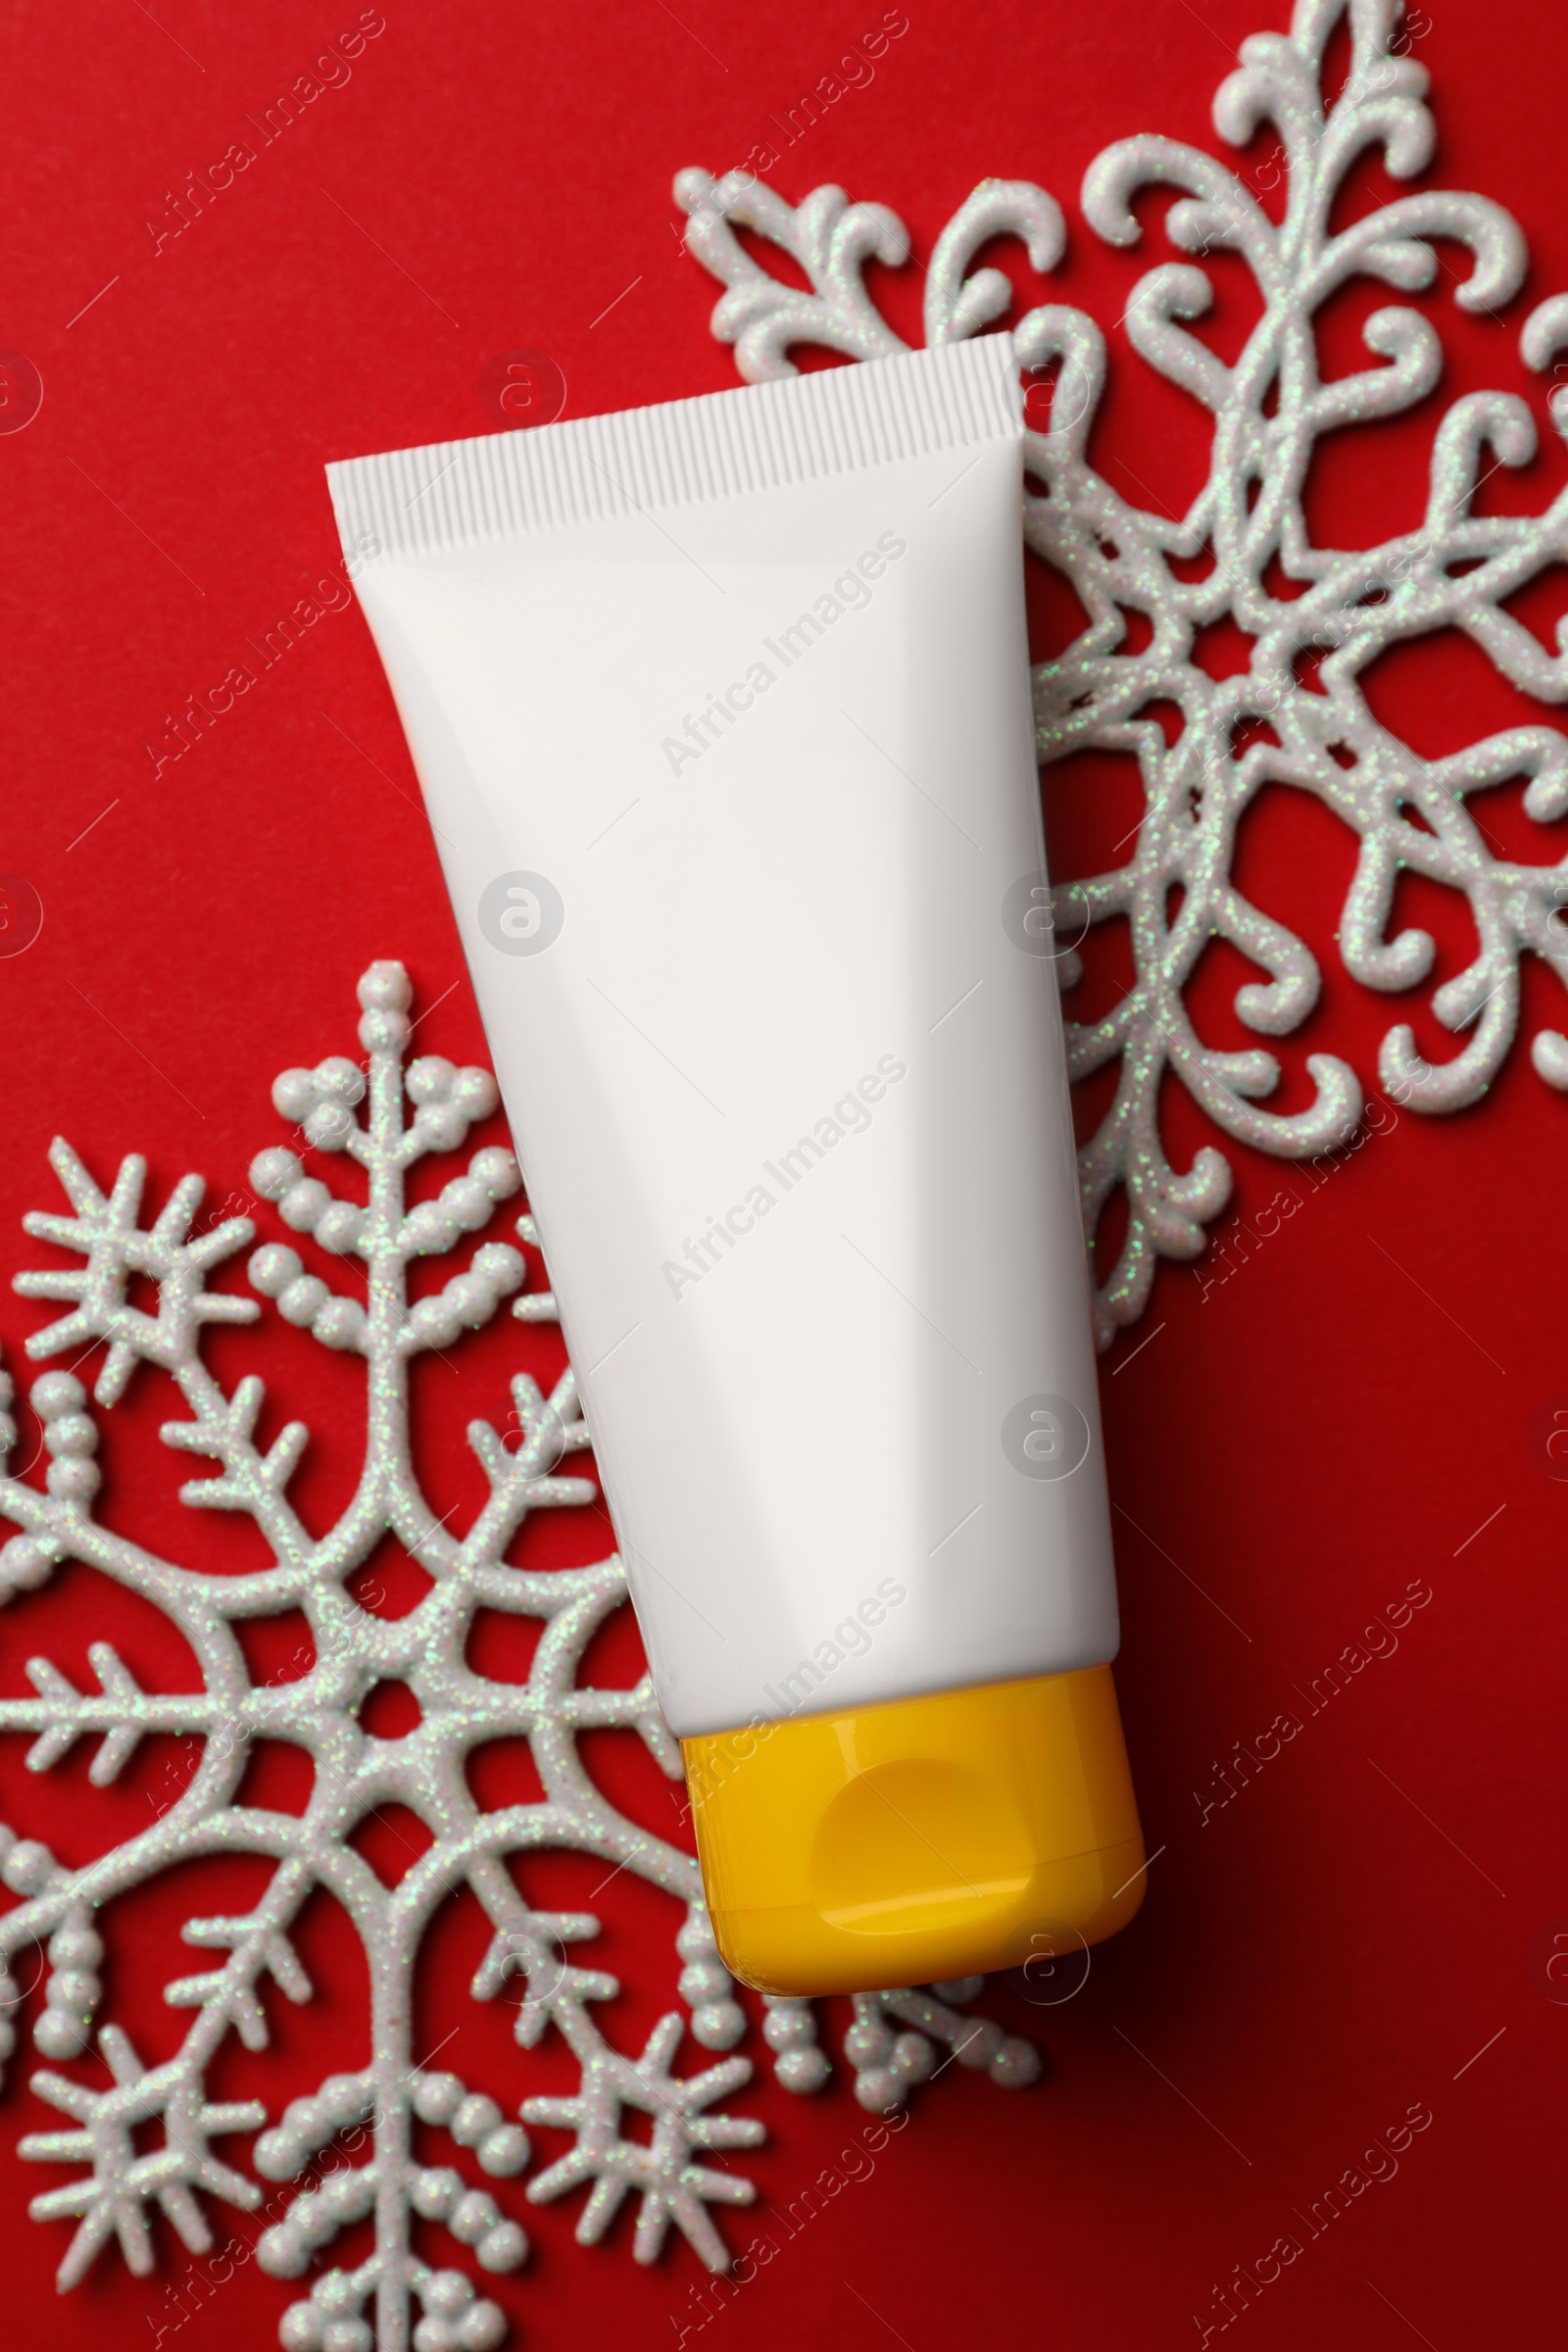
(722, 715)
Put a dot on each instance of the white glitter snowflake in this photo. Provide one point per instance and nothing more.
(1451, 569)
(61, 1907)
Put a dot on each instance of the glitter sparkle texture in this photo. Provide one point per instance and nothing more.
(1454, 568)
(678, 2174)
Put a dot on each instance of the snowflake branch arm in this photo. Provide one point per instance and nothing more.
(534, 1945)
(105, 1232)
(221, 1427)
(1216, 210)
(258, 1944)
(1395, 244)
(521, 1480)
(672, 2188)
(955, 307)
(113, 2198)
(123, 1712)
(831, 239)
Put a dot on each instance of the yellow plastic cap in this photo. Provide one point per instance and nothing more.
(921, 1839)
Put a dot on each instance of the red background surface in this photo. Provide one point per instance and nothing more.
(1296, 1443)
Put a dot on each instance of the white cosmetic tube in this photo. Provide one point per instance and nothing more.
(721, 713)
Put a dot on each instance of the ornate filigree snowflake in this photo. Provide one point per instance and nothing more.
(1453, 569)
(377, 2105)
